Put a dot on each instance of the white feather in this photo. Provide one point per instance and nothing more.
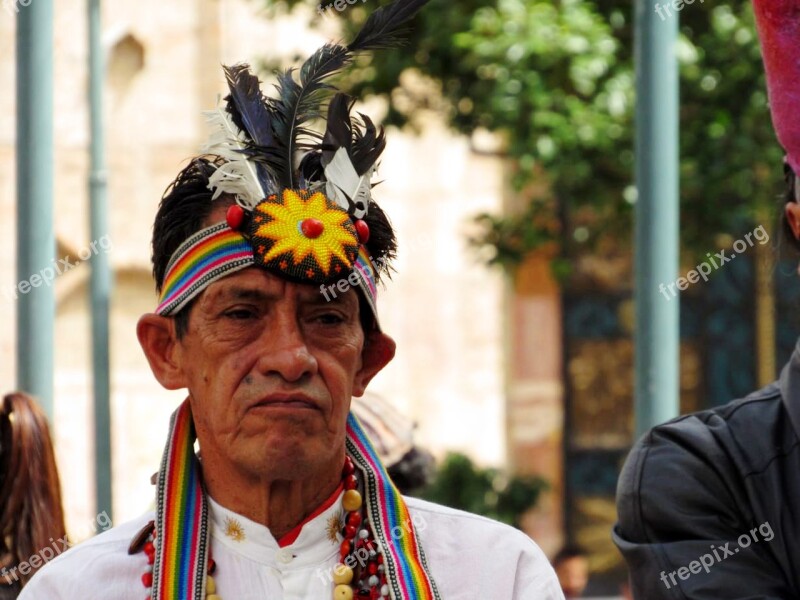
(342, 179)
(363, 193)
(238, 176)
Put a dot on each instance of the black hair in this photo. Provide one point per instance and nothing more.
(568, 552)
(791, 196)
(183, 211)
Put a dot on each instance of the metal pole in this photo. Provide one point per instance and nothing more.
(100, 283)
(656, 251)
(35, 233)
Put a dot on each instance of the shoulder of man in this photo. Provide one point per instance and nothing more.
(690, 482)
(715, 448)
(474, 549)
(745, 435)
(99, 568)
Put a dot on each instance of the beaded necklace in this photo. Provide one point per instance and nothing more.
(360, 571)
(378, 530)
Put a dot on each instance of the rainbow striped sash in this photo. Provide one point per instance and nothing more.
(406, 568)
(179, 572)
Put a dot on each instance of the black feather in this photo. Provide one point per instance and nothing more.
(247, 105)
(367, 146)
(382, 244)
(311, 169)
(383, 27)
(338, 133)
(298, 103)
(252, 114)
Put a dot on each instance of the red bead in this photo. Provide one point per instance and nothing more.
(212, 566)
(350, 482)
(147, 580)
(149, 549)
(349, 532)
(362, 229)
(349, 467)
(354, 519)
(344, 550)
(312, 228)
(380, 559)
(234, 216)
(372, 568)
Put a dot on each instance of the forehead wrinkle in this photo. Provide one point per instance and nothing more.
(241, 292)
(312, 297)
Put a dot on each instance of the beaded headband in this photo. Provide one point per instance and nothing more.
(218, 251)
(317, 224)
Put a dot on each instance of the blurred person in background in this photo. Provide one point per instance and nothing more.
(31, 516)
(409, 466)
(572, 569)
(709, 503)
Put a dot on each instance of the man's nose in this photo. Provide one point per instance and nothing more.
(284, 350)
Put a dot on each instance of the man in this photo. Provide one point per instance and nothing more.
(572, 569)
(267, 269)
(709, 503)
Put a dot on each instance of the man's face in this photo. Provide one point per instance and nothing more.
(573, 575)
(271, 367)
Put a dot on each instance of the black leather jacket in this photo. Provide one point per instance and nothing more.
(709, 503)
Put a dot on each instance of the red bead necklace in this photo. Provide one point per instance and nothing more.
(360, 573)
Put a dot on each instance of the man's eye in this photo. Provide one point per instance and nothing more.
(240, 314)
(330, 318)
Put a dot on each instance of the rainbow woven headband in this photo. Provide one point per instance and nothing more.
(218, 251)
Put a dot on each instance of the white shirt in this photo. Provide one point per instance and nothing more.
(470, 557)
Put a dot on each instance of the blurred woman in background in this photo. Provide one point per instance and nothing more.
(31, 516)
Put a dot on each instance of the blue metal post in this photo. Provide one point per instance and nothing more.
(657, 179)
(36, 267)
(100, 283)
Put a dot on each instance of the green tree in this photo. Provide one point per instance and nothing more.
(460, 484)
(555, 80)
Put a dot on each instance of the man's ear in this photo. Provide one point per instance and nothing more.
(378, 351)
(793, 218)
(160, 344)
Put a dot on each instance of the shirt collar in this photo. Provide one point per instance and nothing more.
(790, 388)
(315, 539)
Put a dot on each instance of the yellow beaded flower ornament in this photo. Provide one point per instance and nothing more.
(303, 235)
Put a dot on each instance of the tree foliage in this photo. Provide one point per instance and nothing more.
(460, 484)
(555, 79)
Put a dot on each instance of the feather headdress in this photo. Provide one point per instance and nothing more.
(270, 132)
(304, 207)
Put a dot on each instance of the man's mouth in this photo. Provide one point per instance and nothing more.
(292, 401)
